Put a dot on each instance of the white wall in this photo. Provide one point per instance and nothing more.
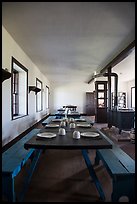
(12, 128)
(70, 94)
(126, 76)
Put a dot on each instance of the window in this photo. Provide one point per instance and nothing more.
(133, 97)
(47, 97)
(39, 95)
(19, 95)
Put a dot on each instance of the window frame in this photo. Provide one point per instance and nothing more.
(47, 105)
(132, 96)
(37, 110)
(12, 70)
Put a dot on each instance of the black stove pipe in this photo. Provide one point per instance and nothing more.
(115, 88)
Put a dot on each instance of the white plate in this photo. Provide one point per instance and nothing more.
(89, 134)
(57, 120)
(46, 135)
(83, 125)
(80, 120)
(52, 125)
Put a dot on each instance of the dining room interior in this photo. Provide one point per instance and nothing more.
(68, 83)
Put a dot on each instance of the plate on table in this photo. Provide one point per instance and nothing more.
(80, 120)
(56, 120)
(89, 134)
(83, 125)
(46, 135)
(52, 125)
(73, 112)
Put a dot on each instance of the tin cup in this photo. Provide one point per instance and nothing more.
(72, 125)
(71, 120)
(76, 135)
(62, 131)
(62, 123)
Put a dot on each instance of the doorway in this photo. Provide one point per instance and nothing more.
(90, 103)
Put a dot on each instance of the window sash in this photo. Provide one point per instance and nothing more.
(39, 104)
(19, 99)
(132, 97)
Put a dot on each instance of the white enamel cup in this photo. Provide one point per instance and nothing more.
(72, 125)
(62, 131)
(62, 124)
(76, 135)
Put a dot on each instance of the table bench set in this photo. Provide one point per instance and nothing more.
(120, 166)
(13, 161)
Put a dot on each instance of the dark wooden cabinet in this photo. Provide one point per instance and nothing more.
(122, 119)
(101, 101)
(90, 103)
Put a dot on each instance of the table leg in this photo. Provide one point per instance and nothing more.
(8, 187)
(30, 173)
(93, 174)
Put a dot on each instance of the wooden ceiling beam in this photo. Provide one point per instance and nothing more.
(122, 55)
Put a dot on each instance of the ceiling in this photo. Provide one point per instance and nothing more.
(69, 41)
(126, 68)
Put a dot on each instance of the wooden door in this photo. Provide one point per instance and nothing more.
(90, 103)
(101, 101)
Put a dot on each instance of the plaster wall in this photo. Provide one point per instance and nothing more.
(12, 128)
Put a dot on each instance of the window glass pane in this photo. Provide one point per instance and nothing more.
(100, 86)
(100, 94)
(39, 95)
(101, 103)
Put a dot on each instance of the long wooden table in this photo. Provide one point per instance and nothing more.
(72, 114)
(67, 142)
(71, 107)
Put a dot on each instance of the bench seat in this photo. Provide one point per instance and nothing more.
(13, 159)
(121, 168)
(48, 120)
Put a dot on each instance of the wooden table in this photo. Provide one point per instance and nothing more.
(70, 107)
(67, 142)
(73, 114)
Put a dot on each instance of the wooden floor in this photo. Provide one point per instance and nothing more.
(62, 176)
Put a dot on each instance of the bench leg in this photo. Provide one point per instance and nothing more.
(33, 164)
(123, 186)
(8, 188)
(93, 175)
(30, 173)
(97, 158)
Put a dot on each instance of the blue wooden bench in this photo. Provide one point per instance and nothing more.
(121, 168)
(48, 120)
(13, 160)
